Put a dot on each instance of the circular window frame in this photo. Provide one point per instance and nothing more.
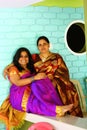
(73, 22)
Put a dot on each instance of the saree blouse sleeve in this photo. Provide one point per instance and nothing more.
(35, 58)
(12, 71)
(62, 71)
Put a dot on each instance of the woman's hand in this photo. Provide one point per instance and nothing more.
(40, 76)
(5, 73)
(6, 70)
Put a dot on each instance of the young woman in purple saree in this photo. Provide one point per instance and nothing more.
(29, 92)
(38, 97)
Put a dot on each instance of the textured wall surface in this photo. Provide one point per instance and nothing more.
(22, 27)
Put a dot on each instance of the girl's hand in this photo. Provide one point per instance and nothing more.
(40, 76)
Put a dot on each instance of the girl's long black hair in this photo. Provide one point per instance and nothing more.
(30, 64)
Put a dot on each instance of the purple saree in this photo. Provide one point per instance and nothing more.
(39, 97)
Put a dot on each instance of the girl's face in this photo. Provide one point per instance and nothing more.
(23, 60)
(43, 46)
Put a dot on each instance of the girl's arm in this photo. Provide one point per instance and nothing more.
(15, 78)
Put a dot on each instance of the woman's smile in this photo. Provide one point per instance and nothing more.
(23, 60)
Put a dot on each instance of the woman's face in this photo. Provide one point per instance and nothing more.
(23, 60)
(43, 46)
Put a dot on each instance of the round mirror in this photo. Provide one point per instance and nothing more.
(75, 37)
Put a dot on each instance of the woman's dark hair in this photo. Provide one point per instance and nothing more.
(16, 57)
(44, 38)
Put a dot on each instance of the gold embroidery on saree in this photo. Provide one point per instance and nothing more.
(25, 99)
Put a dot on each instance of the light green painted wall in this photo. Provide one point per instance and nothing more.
(61, 3)
(85, 12)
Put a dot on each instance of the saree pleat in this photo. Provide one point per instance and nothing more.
(10, 116)
(43, 99)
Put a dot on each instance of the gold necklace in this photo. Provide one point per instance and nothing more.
(44, 58)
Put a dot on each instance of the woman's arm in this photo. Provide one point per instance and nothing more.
(15, 78)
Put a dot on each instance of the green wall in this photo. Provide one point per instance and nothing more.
(61, 3)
